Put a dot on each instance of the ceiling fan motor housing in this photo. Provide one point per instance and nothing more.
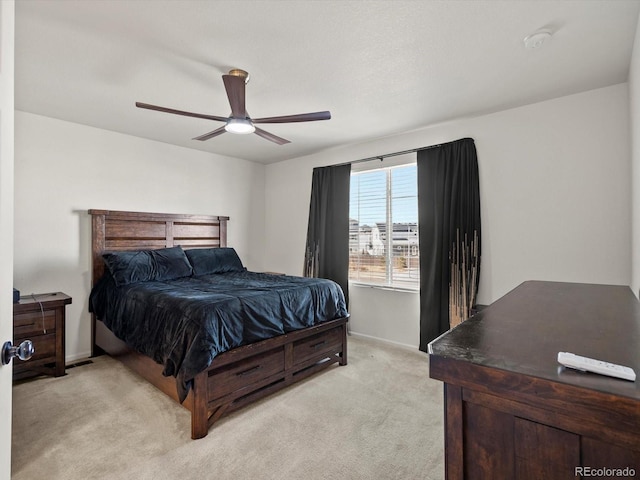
(237, 72)
(239, 122)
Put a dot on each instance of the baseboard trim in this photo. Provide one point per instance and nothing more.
(78, 356)
(69, 359)
(384, 340)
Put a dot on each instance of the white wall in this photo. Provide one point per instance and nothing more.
(555, 193)
(63, 169)
(634, 103)
(555, 201)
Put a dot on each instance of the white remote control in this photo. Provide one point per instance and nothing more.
(597, 366)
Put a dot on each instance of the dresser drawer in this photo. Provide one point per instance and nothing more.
(245, 372)
(41, 318)
(316, 346)
(43, 360)
(45, 350)
(34, 323)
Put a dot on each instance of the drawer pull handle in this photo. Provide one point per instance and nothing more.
(319, 344)
(249, 371)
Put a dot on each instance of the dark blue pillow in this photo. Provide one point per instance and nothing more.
(206, 261)
(147, 265)
(130, 267)
(171, 263)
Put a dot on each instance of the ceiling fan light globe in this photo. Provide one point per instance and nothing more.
(239, 126)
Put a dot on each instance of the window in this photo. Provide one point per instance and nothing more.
(382, 201)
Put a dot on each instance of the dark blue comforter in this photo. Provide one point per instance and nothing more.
(183, 324)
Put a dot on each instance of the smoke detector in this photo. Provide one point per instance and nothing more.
(537, 39)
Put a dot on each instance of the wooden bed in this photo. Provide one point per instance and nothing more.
(236, 377)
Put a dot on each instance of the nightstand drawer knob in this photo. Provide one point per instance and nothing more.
(24, 351)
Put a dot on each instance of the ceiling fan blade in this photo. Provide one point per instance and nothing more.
(271, 137)
(301, 117)
(235, 87)
(215, 133)
(180, 112)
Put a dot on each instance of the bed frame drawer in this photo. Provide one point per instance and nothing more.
(317, 345)
(244, 373)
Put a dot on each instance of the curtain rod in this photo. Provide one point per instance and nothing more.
(386, 155)
(395, 154)
(381, 157)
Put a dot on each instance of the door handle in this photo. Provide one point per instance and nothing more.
(24, 351)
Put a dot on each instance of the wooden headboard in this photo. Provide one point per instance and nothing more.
(121, 231)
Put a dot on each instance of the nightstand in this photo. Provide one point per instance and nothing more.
(40, 318)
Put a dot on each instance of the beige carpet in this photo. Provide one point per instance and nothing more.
(380, 417)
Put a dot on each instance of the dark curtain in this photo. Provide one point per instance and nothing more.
(327, 250)
(449, 235)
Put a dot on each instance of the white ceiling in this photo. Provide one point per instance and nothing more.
(380, 67)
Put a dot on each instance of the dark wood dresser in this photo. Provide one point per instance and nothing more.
(41, 319)
(512, 412)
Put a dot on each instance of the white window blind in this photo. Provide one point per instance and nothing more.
(383, 227)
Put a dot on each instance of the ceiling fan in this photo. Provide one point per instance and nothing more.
(239, 120)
